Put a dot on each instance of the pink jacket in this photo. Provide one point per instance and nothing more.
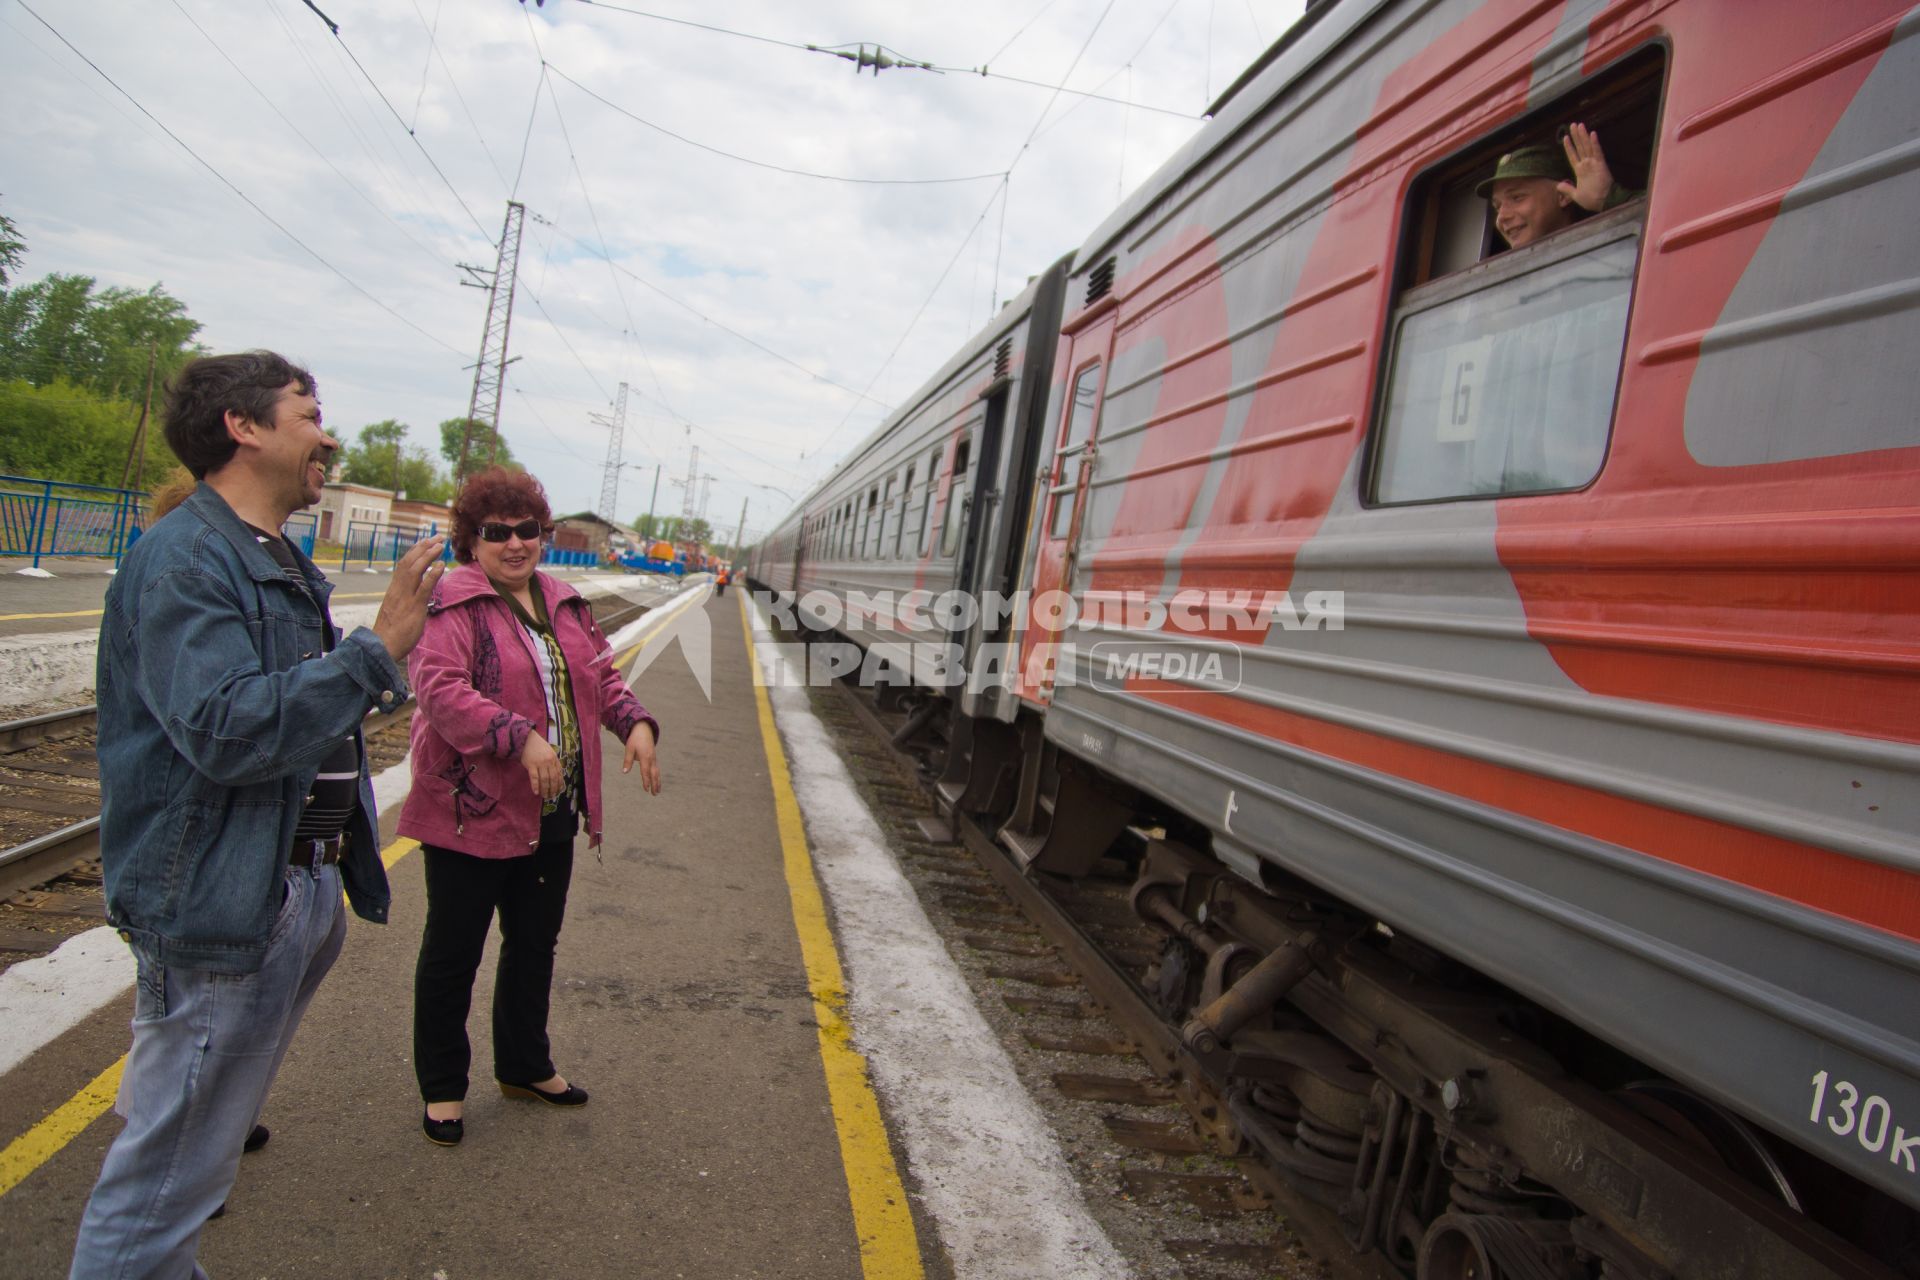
(478, 686)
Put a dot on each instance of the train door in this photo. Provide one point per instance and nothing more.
(1067, 483)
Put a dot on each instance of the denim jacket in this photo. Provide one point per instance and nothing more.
(217, 703)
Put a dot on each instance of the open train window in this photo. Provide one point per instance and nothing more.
(1503, 362)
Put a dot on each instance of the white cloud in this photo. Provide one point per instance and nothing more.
(825, 273)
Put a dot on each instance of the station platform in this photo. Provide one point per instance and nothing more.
(715, 1143)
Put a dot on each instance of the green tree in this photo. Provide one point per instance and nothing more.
(58, 329)
(379, 456)
(13, 250)
(485, 441)
(696, 530)
(64, 432)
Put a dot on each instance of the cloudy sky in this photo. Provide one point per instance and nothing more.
(767, 317)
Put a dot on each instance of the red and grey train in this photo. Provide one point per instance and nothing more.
(1548, 892)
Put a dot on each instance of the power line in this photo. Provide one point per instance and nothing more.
(762, 164)
(1000, 247)
(683, 22)
(559, 333)
(226, 182)
(593, 215)
(1124, 67)
(526, 139)
(1022, 31)
(924, 303)
(401, 121)
(980, 71)
(406, 177)
(324, 158)
(426, 65)
(433, 48)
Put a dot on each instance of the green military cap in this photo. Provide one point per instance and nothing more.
(1542, 160)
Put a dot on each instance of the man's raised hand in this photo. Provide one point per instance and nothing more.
(1592, 179)
(403, 610)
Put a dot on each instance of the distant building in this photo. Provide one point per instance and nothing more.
(342, 504)
(422, 518)
(586, 531)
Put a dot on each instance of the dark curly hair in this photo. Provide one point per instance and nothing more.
(249, 383)
(497, 491)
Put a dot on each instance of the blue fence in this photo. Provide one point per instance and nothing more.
(300, 529)
(45, 518)
(370, 544)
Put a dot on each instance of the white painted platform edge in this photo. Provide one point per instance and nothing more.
(44, 998)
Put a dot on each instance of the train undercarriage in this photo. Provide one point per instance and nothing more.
(1450, 1125)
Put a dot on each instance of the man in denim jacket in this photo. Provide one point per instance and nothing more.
(235, 796)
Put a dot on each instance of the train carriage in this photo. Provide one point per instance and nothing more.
(934, 502)
(1501, 669)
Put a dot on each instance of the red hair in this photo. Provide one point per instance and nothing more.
(495, 492)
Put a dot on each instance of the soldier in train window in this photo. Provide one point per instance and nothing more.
(1538, 190)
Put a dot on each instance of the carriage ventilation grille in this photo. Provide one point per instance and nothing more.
(1100, 283)
(1003, 359)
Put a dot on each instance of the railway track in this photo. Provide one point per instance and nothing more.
(1055, 965)
(50, 885)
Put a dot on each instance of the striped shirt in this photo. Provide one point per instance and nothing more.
(563, 725)
(335, 796)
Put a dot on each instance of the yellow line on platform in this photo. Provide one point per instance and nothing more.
(42, 1142)
(889, 1248)
(70, 1119)
(35, 617)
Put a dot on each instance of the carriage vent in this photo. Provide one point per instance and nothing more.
(1003, 359)
(1100, 283)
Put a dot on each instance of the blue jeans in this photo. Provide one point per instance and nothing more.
(205, 1049)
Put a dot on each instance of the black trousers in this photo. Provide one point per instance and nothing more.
(463, 892)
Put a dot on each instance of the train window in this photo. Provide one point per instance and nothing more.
(906, 500)
(1086, 391)
(886, 517)
(1503, 363)
(926, 503)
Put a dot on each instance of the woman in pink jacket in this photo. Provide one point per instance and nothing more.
(511, 675)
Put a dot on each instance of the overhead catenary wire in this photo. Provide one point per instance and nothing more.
(406, 177)
(762, 164)
(433, 49)
(924, 303)
(230, 185)
(1007, 194)
(1044, 10)
(980, 72)
(401, 121)
(355, 187)
(526, 139)
(426, 64)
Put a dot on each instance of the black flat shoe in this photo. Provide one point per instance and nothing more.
(256, 1140)
(572, 1096)
(442, 1133)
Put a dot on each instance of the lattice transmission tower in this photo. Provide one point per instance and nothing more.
(610, 477)
(490, 374)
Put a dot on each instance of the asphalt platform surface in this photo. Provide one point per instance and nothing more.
(709, 1148)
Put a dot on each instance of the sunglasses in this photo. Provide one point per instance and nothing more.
(526, 531)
